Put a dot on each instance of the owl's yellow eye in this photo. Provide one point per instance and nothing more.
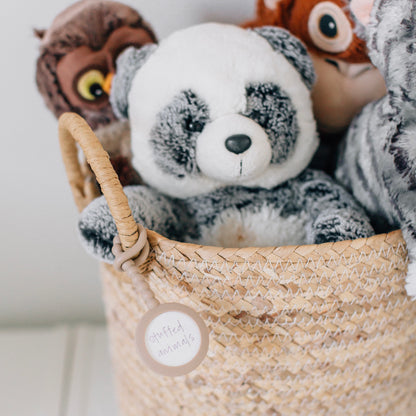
(90, 85)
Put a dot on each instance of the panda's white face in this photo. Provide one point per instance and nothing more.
(214, 106)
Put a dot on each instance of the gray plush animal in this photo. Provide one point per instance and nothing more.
(378, 160)
(222, 131)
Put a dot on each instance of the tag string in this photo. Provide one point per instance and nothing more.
(129, 262)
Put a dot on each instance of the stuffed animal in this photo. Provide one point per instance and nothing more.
(222, 130)
(378, 159)
(77, 53)
(346, 80)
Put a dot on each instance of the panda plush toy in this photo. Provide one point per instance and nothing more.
(222, 133)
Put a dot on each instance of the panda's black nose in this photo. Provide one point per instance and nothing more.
(238, 144)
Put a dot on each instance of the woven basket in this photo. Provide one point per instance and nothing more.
(308, 330)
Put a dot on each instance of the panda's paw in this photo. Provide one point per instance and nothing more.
(97, 227)
(340, 225)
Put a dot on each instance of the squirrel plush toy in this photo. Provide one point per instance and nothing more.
(378, 159)
(223, 139)
(346, 80)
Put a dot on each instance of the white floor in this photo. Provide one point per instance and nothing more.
(56, 372)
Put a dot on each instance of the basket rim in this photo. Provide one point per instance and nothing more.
(195, 252)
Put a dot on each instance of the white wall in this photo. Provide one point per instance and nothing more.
(45, 277)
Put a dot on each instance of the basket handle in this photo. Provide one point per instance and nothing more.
(74, 129)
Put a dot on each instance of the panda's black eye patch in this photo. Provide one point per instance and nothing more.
(270, 107)
(175, 133)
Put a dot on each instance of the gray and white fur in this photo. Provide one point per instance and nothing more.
(222, 132)
(377, 162)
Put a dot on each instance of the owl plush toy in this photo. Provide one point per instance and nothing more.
(378, 159)
(77, 54)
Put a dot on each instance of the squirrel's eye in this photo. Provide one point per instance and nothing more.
(329, 28)
(90, 85)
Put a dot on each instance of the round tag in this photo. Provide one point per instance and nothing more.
(172, 339)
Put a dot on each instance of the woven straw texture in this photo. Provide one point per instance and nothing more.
(308, 330)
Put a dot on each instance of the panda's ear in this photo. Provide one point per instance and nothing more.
(128, 63)
(293, 50)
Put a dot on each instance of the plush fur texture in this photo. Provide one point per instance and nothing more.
(310, 209)
(224, 137)
(378, 159)
(127, 66)
(293, 51)
(157, 212)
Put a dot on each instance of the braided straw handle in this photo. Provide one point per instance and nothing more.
(74, 129)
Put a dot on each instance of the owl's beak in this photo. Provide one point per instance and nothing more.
(107, 83)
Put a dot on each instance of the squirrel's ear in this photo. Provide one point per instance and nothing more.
(39, 33)
(271, 4)
(128, 64)
(361, 9)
